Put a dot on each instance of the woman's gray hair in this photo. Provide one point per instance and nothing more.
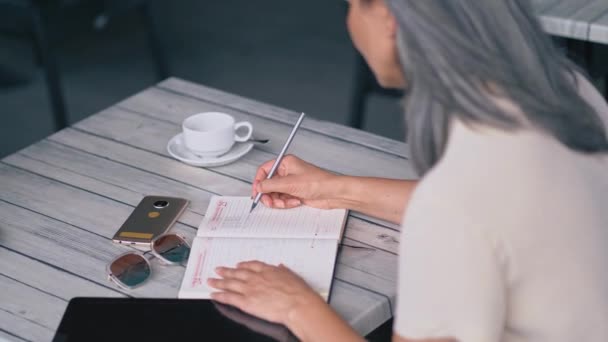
(455, 53)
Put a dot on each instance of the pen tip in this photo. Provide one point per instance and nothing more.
(252, 207)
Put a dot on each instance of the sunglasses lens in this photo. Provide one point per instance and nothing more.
(172, 247)
(130, 269)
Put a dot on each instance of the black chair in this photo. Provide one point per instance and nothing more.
(364, 85)
(39, 14)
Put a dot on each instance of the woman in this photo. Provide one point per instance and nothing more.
(506, 233)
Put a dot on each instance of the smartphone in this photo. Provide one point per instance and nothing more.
(152, 217)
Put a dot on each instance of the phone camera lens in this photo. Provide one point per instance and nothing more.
(161, 204)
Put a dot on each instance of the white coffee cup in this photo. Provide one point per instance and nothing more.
(211, 134)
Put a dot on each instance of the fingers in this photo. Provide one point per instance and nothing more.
(264, 170)
(235, 279)
(229, 284)
(290, 201)
(285, 167)
(277, 201)
(281, 201)
(260, 175)
(285, 185)
(267, 200)
(253, 265)
(286, 202)
(234, 273)
(229, 298)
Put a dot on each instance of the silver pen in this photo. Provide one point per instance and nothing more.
(277, 162)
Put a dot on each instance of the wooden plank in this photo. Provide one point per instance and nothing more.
(283, 115)
(80, 240)
(155, 162)
(145, 133)
(107, 178)
(572, 18)
(77, 253)
(24, 189)
(49, 279)
(33, 274)
(358, 229)
(126, 184)
(78, 246)
(66, 203)
(378, 309)
(152, 135)
(598, 31)
(125, 123)
(23, 328)
(108, 151)
(338, 303)
(101, 174)
(5, 336)
(372, 235)
(173, 109)
(374, 270)
(32, 307)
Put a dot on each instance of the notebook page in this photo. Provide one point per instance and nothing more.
(313, 260)
(230, 217)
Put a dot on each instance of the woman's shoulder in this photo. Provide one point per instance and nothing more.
(478, 157)
(484, 170)
(487, 177)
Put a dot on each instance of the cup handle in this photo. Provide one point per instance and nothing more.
(246, 136)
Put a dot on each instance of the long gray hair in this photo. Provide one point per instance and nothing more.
(456, 52)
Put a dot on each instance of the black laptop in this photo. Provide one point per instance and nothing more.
(139, 319)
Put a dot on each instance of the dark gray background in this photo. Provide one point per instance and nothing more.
(295, 54)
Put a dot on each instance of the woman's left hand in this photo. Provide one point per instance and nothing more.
(272, 293)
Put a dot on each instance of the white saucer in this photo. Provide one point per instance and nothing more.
(178, 150)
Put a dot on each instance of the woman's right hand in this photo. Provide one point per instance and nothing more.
(294, 183)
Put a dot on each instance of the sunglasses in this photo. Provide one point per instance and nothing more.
(132, 269)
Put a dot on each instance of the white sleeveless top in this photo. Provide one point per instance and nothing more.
(506, 239)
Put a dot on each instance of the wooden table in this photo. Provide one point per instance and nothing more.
(63, 198)
(585, 20)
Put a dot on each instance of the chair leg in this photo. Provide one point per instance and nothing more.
(156, 48)
(50, 69)
(361, 88)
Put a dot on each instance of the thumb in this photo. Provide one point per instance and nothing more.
(284, 185)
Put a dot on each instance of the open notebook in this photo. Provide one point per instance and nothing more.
(303, 239)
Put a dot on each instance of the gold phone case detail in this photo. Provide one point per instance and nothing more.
(152, 217)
